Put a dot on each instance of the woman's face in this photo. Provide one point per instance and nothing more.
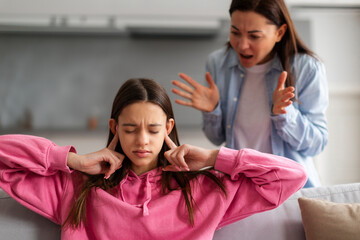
(253, 37)
(142, 128)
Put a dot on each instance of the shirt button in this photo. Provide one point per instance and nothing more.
(241, 75)
(228, 126)
(235, 99)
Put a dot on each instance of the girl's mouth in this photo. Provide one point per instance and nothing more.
(142, 153)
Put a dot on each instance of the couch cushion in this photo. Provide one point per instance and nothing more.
(285, 222)
(324, 220)
(18, 223)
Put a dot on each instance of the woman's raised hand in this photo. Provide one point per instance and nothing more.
(106, 161)
(187, 157)
(200, 97)
(282, 95)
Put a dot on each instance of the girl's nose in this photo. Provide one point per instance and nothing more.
(142, 138)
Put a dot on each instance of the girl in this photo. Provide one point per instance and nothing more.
(142, 186)
(250, 101)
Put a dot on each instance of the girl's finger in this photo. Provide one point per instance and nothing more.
(176, 157)
(180, 160)
(171, 168)
(114, 142)
(111, 169)
(170, 160)
(170, 142)
(119, 156)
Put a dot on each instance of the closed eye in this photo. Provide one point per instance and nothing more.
(129, 131)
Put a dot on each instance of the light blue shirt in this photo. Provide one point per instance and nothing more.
(299, 134)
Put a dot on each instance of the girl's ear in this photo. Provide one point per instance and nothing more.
(281, 31)
(113, 125)
(169, 125)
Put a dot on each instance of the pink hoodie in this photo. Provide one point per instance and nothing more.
(33, 170)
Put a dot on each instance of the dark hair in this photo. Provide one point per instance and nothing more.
(132, 91)
(277, 12)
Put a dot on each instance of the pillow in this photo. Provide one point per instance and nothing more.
(324, 220)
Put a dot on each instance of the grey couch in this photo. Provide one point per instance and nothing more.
(283, 223)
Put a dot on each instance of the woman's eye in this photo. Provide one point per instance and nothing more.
(154, 132)
(254, 37)
(235, 33)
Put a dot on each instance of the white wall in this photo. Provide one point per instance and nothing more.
(335, 37)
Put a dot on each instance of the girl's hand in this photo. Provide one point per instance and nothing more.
(105, 161)
(282, 95)
(201, 98)
(188, 158)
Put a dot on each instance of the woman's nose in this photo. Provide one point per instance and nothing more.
(243, 43)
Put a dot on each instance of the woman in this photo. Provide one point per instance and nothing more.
(266, 90)
(142, 186)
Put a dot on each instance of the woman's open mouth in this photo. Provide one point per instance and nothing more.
(246, 56)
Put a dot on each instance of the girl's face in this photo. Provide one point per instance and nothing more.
(142, 128)
(253, 37)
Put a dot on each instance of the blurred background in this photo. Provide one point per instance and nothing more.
(62, 62)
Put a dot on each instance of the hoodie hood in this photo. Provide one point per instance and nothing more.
(140, 190)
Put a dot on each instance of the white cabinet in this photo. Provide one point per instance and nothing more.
(112, 15)
(182, 8)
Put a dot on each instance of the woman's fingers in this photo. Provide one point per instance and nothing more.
(210, 80)
(182, 93)
(183, 86)
(184, 103)
(189, 80)
(281, 81)
(286, 97)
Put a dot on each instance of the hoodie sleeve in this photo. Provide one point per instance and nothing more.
(34, 171)
(257, 181)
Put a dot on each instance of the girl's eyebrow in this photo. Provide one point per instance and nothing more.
(155, 125)
(134, 125)
(253, 31)
(129, 124)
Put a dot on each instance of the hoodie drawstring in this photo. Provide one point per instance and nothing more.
(148, 197)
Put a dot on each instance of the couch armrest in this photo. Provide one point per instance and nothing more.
(17, 222)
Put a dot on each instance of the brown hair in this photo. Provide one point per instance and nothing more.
(132, 91)
(277, 12)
